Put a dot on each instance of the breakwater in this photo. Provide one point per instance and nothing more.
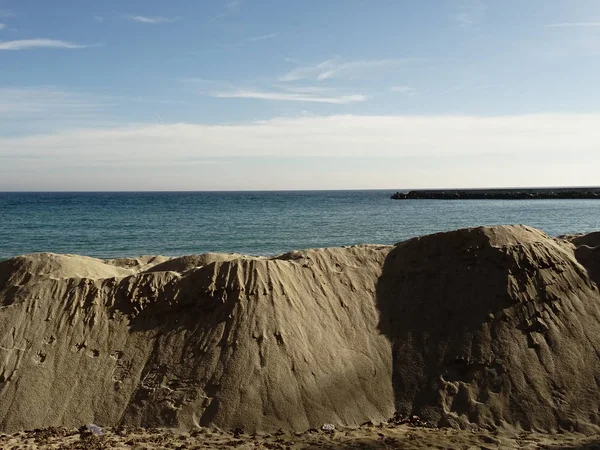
(500, 194)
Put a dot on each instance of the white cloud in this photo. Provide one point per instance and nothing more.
(287, 96)
(471, 12)
(388, 151)
(261, 38)
(26, 44)
(281, 92)
(276, 92)
(152, 20)
(406, 90)
(2, 26)
(99, 19)
(307, 89)
(337, 135)
(337, 68)
(574, 25)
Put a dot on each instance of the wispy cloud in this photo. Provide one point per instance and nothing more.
(153, 20)
(574, 25)
(199, 80)
(470, 12)
(290, 96)
(338, 68)
(306, 89)
(233, 5)
(99, 18)
(463, 19)
(406, 90)
(2, 26)
(261, 38)
(276, 92)
(32, 104)
(152, 101)
(6, 13)
(27, 44)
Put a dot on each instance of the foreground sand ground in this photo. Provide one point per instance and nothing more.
(365, 437)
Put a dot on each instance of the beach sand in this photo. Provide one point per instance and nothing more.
(365, 437)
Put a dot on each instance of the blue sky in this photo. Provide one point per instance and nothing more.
(241, 94)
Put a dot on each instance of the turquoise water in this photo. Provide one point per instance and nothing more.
(261, 223)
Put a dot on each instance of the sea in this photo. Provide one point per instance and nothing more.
(116, 224)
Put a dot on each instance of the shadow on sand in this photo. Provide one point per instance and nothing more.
(431, 303)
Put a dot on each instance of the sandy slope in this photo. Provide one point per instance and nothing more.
(485, 327)
(249, 342)
(493, 327)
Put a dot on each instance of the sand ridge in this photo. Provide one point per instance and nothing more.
(483, 327)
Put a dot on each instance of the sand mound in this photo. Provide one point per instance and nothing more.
(587, 252)
(65, 266)
(588, 240)
(492, 326)
(30, 268)
(253, 343)
(486, 326)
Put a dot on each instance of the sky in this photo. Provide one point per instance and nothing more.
(288, 94)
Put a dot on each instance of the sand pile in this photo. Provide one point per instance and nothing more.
(486, 326)
(212, 340)
(587, 252)
(493, 326)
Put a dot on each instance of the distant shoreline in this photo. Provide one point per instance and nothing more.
(501, 194)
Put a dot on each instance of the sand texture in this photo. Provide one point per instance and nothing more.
(491, 328)
(368, 437)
